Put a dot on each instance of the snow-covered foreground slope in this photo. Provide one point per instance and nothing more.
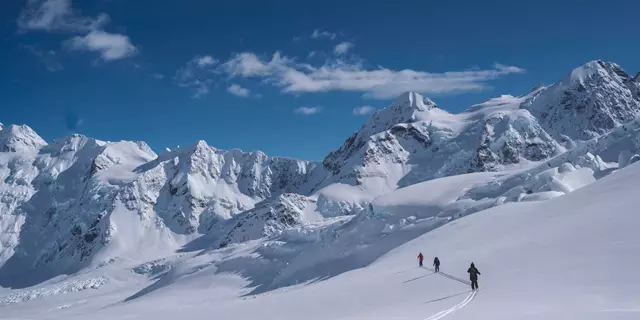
(571, 257)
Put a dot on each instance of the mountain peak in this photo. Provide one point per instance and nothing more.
(200, 147)
(17, 138)
(414, 101)
(72, 143)
(201, 144)
(593, 69)
(592, 99)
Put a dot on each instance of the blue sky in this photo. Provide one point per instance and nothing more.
(291, 78)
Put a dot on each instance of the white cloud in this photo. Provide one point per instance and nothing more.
(197, 74)
(335, 74)
(509, 69)
(340, 75)
(319, 34)
(343, 47)
(307, 111)
(205, 61)
(364, 110)
(239, 91)
(248, 64)
(57, 15)
(158, 76)
(111, 46)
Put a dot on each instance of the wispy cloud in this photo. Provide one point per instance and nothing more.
(248, 64)
(323, 34)
(364, 110)
(196, 74)
(205, 61)
(336, 73)
(110, 46)
(239, 91)
(47, 57)
(158, 76)
(343, 47)
(57, 16)
(508, 69)
(340, 75)
(307, 111)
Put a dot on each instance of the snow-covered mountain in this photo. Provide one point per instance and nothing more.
(589, 101)
(68, 200)
(197, 186)
(414, 141)
(80, 202)
(19, 139)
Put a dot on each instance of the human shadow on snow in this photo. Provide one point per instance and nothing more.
(418, 278)
(352, 246)
(446, 275)
(294, 260)
(447, 297)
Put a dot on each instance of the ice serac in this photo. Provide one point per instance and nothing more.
(268, 218)
(589, 101)
(21, 138)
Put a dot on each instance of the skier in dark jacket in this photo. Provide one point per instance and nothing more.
(473, 276)
(436, 264)
(420, 258)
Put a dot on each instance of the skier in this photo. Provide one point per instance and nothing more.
(436, 264)
(420, 258)
(473, 276)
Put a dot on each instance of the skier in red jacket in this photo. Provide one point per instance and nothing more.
(420, 258)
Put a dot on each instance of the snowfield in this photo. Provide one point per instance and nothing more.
(538, 190)
(572, 257)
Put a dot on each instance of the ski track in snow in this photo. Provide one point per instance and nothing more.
(458, 306)
(453, 309)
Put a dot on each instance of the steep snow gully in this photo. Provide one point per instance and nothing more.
(539, 190)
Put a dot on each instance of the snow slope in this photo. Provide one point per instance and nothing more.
(570, 257)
